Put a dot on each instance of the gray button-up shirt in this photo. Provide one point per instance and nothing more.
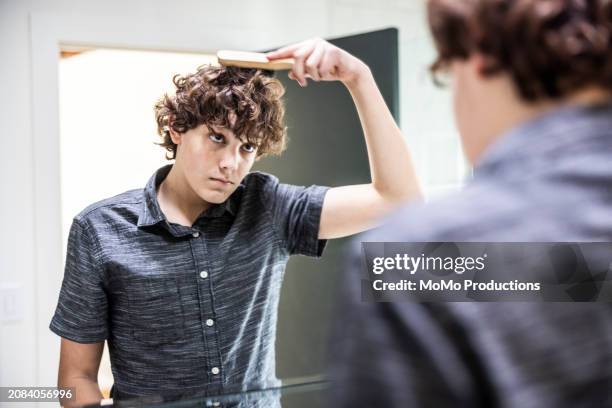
(186, 310)
(547, 180)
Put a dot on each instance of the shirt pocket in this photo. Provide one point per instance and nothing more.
(155, 309)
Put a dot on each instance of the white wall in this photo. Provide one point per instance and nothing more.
(30, 242)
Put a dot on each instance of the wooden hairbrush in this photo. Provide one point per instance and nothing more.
(245, 59)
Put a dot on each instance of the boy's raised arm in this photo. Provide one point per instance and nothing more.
(351, 209)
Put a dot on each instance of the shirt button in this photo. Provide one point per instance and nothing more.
(195, 234)
(203, 274)
(215, 370)
(210, 322)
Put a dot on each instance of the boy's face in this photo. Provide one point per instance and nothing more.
(465, 106)
(479, 104)
(213, 163)
(485, 106)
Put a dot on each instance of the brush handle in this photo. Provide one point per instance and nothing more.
(244, 59)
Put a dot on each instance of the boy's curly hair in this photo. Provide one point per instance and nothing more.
(212, 94)
(549, 48)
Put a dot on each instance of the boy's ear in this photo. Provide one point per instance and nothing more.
(175, 136)
(484, 66)
(478, 64)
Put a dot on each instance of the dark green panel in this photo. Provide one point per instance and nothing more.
(326, 147)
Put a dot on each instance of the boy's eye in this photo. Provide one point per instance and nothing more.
(249, 148)
(216, 138)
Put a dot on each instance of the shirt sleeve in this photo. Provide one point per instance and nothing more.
(296, 212)
(82, 309)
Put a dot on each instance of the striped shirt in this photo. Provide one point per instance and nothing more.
(547, 180)
(186, 310)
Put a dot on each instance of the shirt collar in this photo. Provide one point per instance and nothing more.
(558, 130)
(151, 213)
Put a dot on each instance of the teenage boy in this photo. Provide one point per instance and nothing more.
(182, 278)
(532, 83)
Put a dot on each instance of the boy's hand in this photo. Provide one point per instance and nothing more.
(321, 61)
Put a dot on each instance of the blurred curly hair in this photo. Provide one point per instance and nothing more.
(213, 94)
(550, 48)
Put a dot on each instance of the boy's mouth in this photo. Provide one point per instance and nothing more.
(221, 180)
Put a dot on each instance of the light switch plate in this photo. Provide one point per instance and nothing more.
(11, 302)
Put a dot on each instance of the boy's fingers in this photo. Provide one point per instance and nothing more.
(291, 76)
(279, 54)
(313, 61)
(298, 66)
(284, 52)
(327, 67)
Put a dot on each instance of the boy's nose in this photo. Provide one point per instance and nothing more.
(229, 159)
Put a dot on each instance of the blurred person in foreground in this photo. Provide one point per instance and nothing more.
(531, 83)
